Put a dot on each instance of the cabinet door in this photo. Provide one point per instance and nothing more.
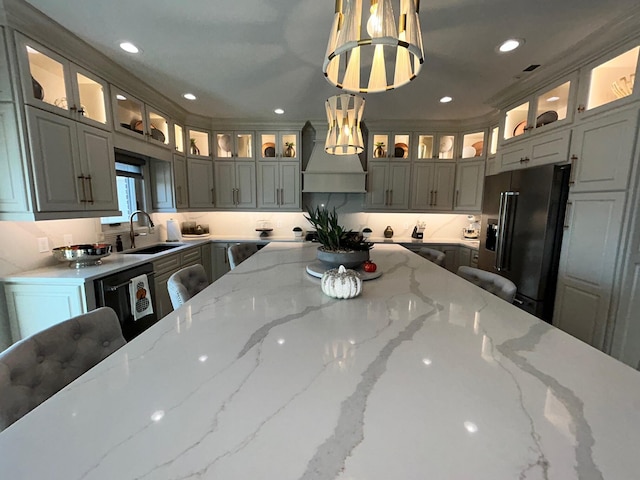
(513, 157)
(90, 94)
(422, 192)
(99, 166)
(13, 194)
(268, 184)
(161, 185)
(180, 181)
(6, 95)
(245, 185)
(451, 257)
(200, 177)
(289, 146)
(444, 178)
(290, 186)
(587, 264)
(225, 175)
(219, 260)
(378, 190)
(56, 164)
(163, 301)
(33, 308)
(469, 186)
(399, 179)
(549, 148)
(602, 152)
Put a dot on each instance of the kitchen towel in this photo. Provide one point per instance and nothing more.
(140, 297)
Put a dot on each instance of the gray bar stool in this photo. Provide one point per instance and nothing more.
(186, 283)
(491, 282)
(435, 256)
(240, 252)
(36, 367)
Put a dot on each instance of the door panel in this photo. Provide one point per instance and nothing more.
(246, 185)
(200, 175)
(98, 159)
(443, 184)
(378, 184)
(421, 196)
(290, 185)
(225, 175)
(268, 185)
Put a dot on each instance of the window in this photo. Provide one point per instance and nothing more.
(129, 184)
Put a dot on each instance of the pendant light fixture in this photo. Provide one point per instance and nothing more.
(369, 50)
(344, 114)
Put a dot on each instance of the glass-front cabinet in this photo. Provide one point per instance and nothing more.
(610, 81)
(134, 117)
(233, 145)
(550, 106)
(157, 127)
(178, 138)
(199, 143)
(473, 145)
(278, 145)
(386, 146)
(493, 141)
(53, 83)
(435, 146)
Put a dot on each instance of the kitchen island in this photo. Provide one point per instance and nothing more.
(261, 376)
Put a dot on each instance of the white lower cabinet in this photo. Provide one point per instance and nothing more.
(469, 186)
(602, 152)
(35, 307)
(200, 175)
(279, 185)
(543, 149)
(73, 165)
(590, 246)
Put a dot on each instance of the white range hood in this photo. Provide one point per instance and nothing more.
(327, 173)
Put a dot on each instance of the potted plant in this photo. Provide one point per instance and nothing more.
(338, 246)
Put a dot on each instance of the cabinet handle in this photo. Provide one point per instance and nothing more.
(281, 198)
(435, 201)
(213, 202)
(431, 198)
(521, 159)
(581, 108)
(88, 177)
(73, 108)
(179, 194)
(226, 256)
(526, 129)
(572, 175)
(455, 203)
(567, 212)
(84, 191)
(390, 197)
(81, 111)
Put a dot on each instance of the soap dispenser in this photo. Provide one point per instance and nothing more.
(119, 246)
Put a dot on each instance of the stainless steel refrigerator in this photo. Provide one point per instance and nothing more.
(521, 232)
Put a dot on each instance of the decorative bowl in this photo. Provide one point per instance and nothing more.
(348, 259)
(82, 255)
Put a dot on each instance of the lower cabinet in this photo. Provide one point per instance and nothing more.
(34, 307)
(593, 223)
(455, 255)
(219, 260)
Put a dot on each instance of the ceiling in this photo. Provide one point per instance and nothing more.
(243, 58)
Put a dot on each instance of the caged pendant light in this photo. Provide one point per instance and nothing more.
(369, 51)
(344, 114)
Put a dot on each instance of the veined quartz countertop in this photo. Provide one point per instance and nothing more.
(261, 376)
(116, 262)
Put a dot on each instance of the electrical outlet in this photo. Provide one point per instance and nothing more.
(406, 226)
(67, 239)
(278, 224)
(43, 244)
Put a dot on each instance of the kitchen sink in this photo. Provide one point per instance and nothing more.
(154, 249)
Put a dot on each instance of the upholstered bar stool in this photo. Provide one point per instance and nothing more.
(38, 366)
(435, 256)
(240, 252)
(491, 282)
(186, 283)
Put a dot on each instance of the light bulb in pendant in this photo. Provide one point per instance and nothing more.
(374, 24)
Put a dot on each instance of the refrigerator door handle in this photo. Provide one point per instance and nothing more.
(505, 201)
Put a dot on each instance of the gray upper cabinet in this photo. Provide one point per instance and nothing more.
(162, 198)
(13, 196)
(433, 184)
(5, 79)
(389, 185)
(469, 186)
(235, 184)
(200, 177)
(279, 185)
(181, 187)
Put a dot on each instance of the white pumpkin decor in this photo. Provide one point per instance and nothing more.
(341, 283)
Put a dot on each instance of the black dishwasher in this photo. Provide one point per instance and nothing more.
(113, 291)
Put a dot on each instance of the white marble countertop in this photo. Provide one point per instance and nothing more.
(117, 262)
(261, 376)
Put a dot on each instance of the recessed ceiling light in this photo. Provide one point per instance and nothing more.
(553, 99)
(446, 99)
(121, 97)
(510, 45)
(279, 111)
(129, 47)
(189, 96)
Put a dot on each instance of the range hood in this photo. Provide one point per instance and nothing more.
(327, 173)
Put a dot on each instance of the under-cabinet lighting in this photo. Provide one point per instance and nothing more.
(446, 99)
(510, 45)
(129, 47)
(553, 99)
(120, 97)
(189, 96)
(279, 111)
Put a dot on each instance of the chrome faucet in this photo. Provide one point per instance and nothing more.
(132, 234)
